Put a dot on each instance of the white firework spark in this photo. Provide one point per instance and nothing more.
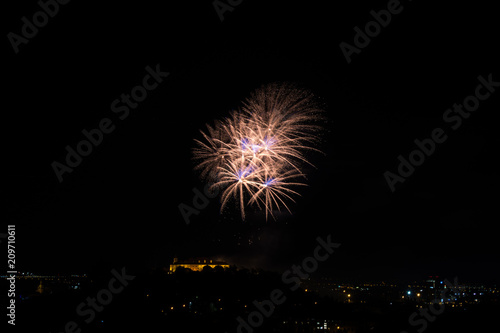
(255, 155)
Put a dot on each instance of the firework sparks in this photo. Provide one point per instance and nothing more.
(255, 155)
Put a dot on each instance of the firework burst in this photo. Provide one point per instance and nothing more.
(256, 154)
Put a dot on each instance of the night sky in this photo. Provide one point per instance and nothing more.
(120, 205)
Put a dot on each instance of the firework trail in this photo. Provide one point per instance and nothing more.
(255, 155)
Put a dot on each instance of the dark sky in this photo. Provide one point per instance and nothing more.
(120, 206)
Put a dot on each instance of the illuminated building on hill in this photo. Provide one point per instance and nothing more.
(196, 264)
